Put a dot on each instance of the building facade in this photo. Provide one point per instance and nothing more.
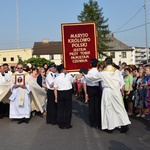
(140, 55)
(12, 56)
(48, 50)
(119, 51)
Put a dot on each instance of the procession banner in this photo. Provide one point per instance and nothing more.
(79, 44)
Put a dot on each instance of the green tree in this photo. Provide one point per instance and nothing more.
(37, 62)
(92, 13)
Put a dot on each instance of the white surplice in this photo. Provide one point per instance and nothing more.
(17, 109)
(4, 89)
(113, 113)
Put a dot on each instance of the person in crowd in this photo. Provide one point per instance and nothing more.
(13, 69)
(41, 80)
(34, 74)
(111, 105)
(139, 99)
(2, 80)
(80, 89)
(147, 101)
(93, 96)
(74, 86)
(20, 99)
(144, 90)
(134, 85)
(128, 91)
(8, 78)
(45, 66)
(51, 116)
(122, 67)
(8, 73)
(100, 68)
(63, 96)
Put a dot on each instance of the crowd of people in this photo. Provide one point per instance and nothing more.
(34, 90)
(113, 93)
(135, 88)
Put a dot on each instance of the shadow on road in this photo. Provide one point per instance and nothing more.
(115, 145)
(142, 120)
(80, 110)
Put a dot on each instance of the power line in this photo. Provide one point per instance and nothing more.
(132, 28)
(130, 19)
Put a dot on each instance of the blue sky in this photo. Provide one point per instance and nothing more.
(41, 19)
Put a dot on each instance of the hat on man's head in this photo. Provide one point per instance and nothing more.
(60, 67)
(93, 61)
(53, 65)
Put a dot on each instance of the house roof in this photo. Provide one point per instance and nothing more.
(42, 48)
(115, 44)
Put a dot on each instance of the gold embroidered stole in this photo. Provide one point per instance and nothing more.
(110, 69)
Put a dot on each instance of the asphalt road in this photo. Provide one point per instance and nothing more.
(37, 135)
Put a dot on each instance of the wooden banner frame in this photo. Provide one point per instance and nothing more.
(20, 79)
(79, 45)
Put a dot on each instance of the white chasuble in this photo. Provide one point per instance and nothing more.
(20, 100)
(113, 113)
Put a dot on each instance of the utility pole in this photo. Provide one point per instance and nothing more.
(17, 25)
(146, 37)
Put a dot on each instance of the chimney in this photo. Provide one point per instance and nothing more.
(45, 41)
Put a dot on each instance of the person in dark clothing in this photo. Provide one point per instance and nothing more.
(93, 96)
(63, 96)
(51, 116)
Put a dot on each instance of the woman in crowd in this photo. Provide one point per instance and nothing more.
(147, 103)
(41, 78)
(45, 66)
(139, 97)
(42, 83)
(128, 91)
(34, 74)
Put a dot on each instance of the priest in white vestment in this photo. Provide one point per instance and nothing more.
(20, 98)
(4, 92)
(113, 113)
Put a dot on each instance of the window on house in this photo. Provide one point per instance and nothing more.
(12, 59)
(124, 55)
(51, 57)
(4, 59)
(112, 54)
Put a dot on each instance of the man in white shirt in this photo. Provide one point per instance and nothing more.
(51, 116)
(2, 80)
(63, 96)
(8, 73)
(93, 96)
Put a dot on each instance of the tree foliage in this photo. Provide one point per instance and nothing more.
(92, 13)
(37, 62)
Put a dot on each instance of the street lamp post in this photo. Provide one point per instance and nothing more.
(146, 37)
